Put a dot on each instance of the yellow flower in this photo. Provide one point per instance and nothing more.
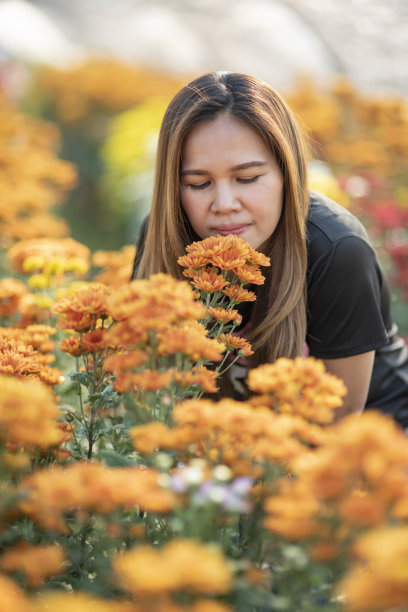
(52, 252)
(39, 281)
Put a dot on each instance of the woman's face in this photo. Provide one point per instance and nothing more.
(230, 182)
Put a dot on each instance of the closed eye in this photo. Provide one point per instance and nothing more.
(245, 181)
(201, 186)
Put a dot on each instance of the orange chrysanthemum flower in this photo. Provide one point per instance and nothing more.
(249, 274)
(90, 487)
(51, 376)
(191, 341)
(356, 479)
(300, 386)
(28, 415)
(221, 314)
(227, 252)
(152, 436)
(146, 570)
(236, 293)
(236, 343)
(152, 380)
(379, 579)
(72, 346)
(235, 434)
(209, 281)
(11, 293)
(201, 376)
(12, 597)
(91, 299)
(36, 562)
(117, 266)
(153, 304)
(125, 361)
(94, 340)
(193, 261)
(64, 601)
(17, 359)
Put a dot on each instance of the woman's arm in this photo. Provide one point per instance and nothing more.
(356, 373)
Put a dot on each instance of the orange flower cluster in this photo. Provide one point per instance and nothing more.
(84, 309)
(13, 294)
(28, 414)
(37, 562)
(12, 597)
(231, 432)
(32, 178)
(116, 266)
(147, 570)
(236, 343)
(355, 480)
(380, 581)
(190, 340)
(82, 602)
(354, 131)
(152, 305)
(49, 258)
(230, 254)
(90, 488)
(37, 336)
(21, 360)
(157, 322)
(298, 386)
(102, 85)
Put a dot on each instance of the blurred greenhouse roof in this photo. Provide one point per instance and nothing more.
(275, 40)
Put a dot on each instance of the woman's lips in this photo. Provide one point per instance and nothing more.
(224, 230)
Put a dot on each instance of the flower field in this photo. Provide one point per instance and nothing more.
(126, 484)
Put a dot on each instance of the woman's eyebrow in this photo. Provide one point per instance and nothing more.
(249, 164)
(242, 166)
(198, 172)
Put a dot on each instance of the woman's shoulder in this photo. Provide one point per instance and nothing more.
(328, 223)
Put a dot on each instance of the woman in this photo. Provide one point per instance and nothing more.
(232, 159)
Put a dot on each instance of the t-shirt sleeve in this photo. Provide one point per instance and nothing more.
(344, 301)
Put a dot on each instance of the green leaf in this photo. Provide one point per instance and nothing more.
(114, 459)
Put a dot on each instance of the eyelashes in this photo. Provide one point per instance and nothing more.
(239, 180)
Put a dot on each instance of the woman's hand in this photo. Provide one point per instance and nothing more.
(356, 373)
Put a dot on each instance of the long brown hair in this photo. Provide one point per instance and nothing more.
(278, 320)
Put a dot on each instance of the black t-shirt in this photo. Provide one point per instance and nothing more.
(349, 304)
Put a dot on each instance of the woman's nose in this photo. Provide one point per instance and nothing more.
(225, 200)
